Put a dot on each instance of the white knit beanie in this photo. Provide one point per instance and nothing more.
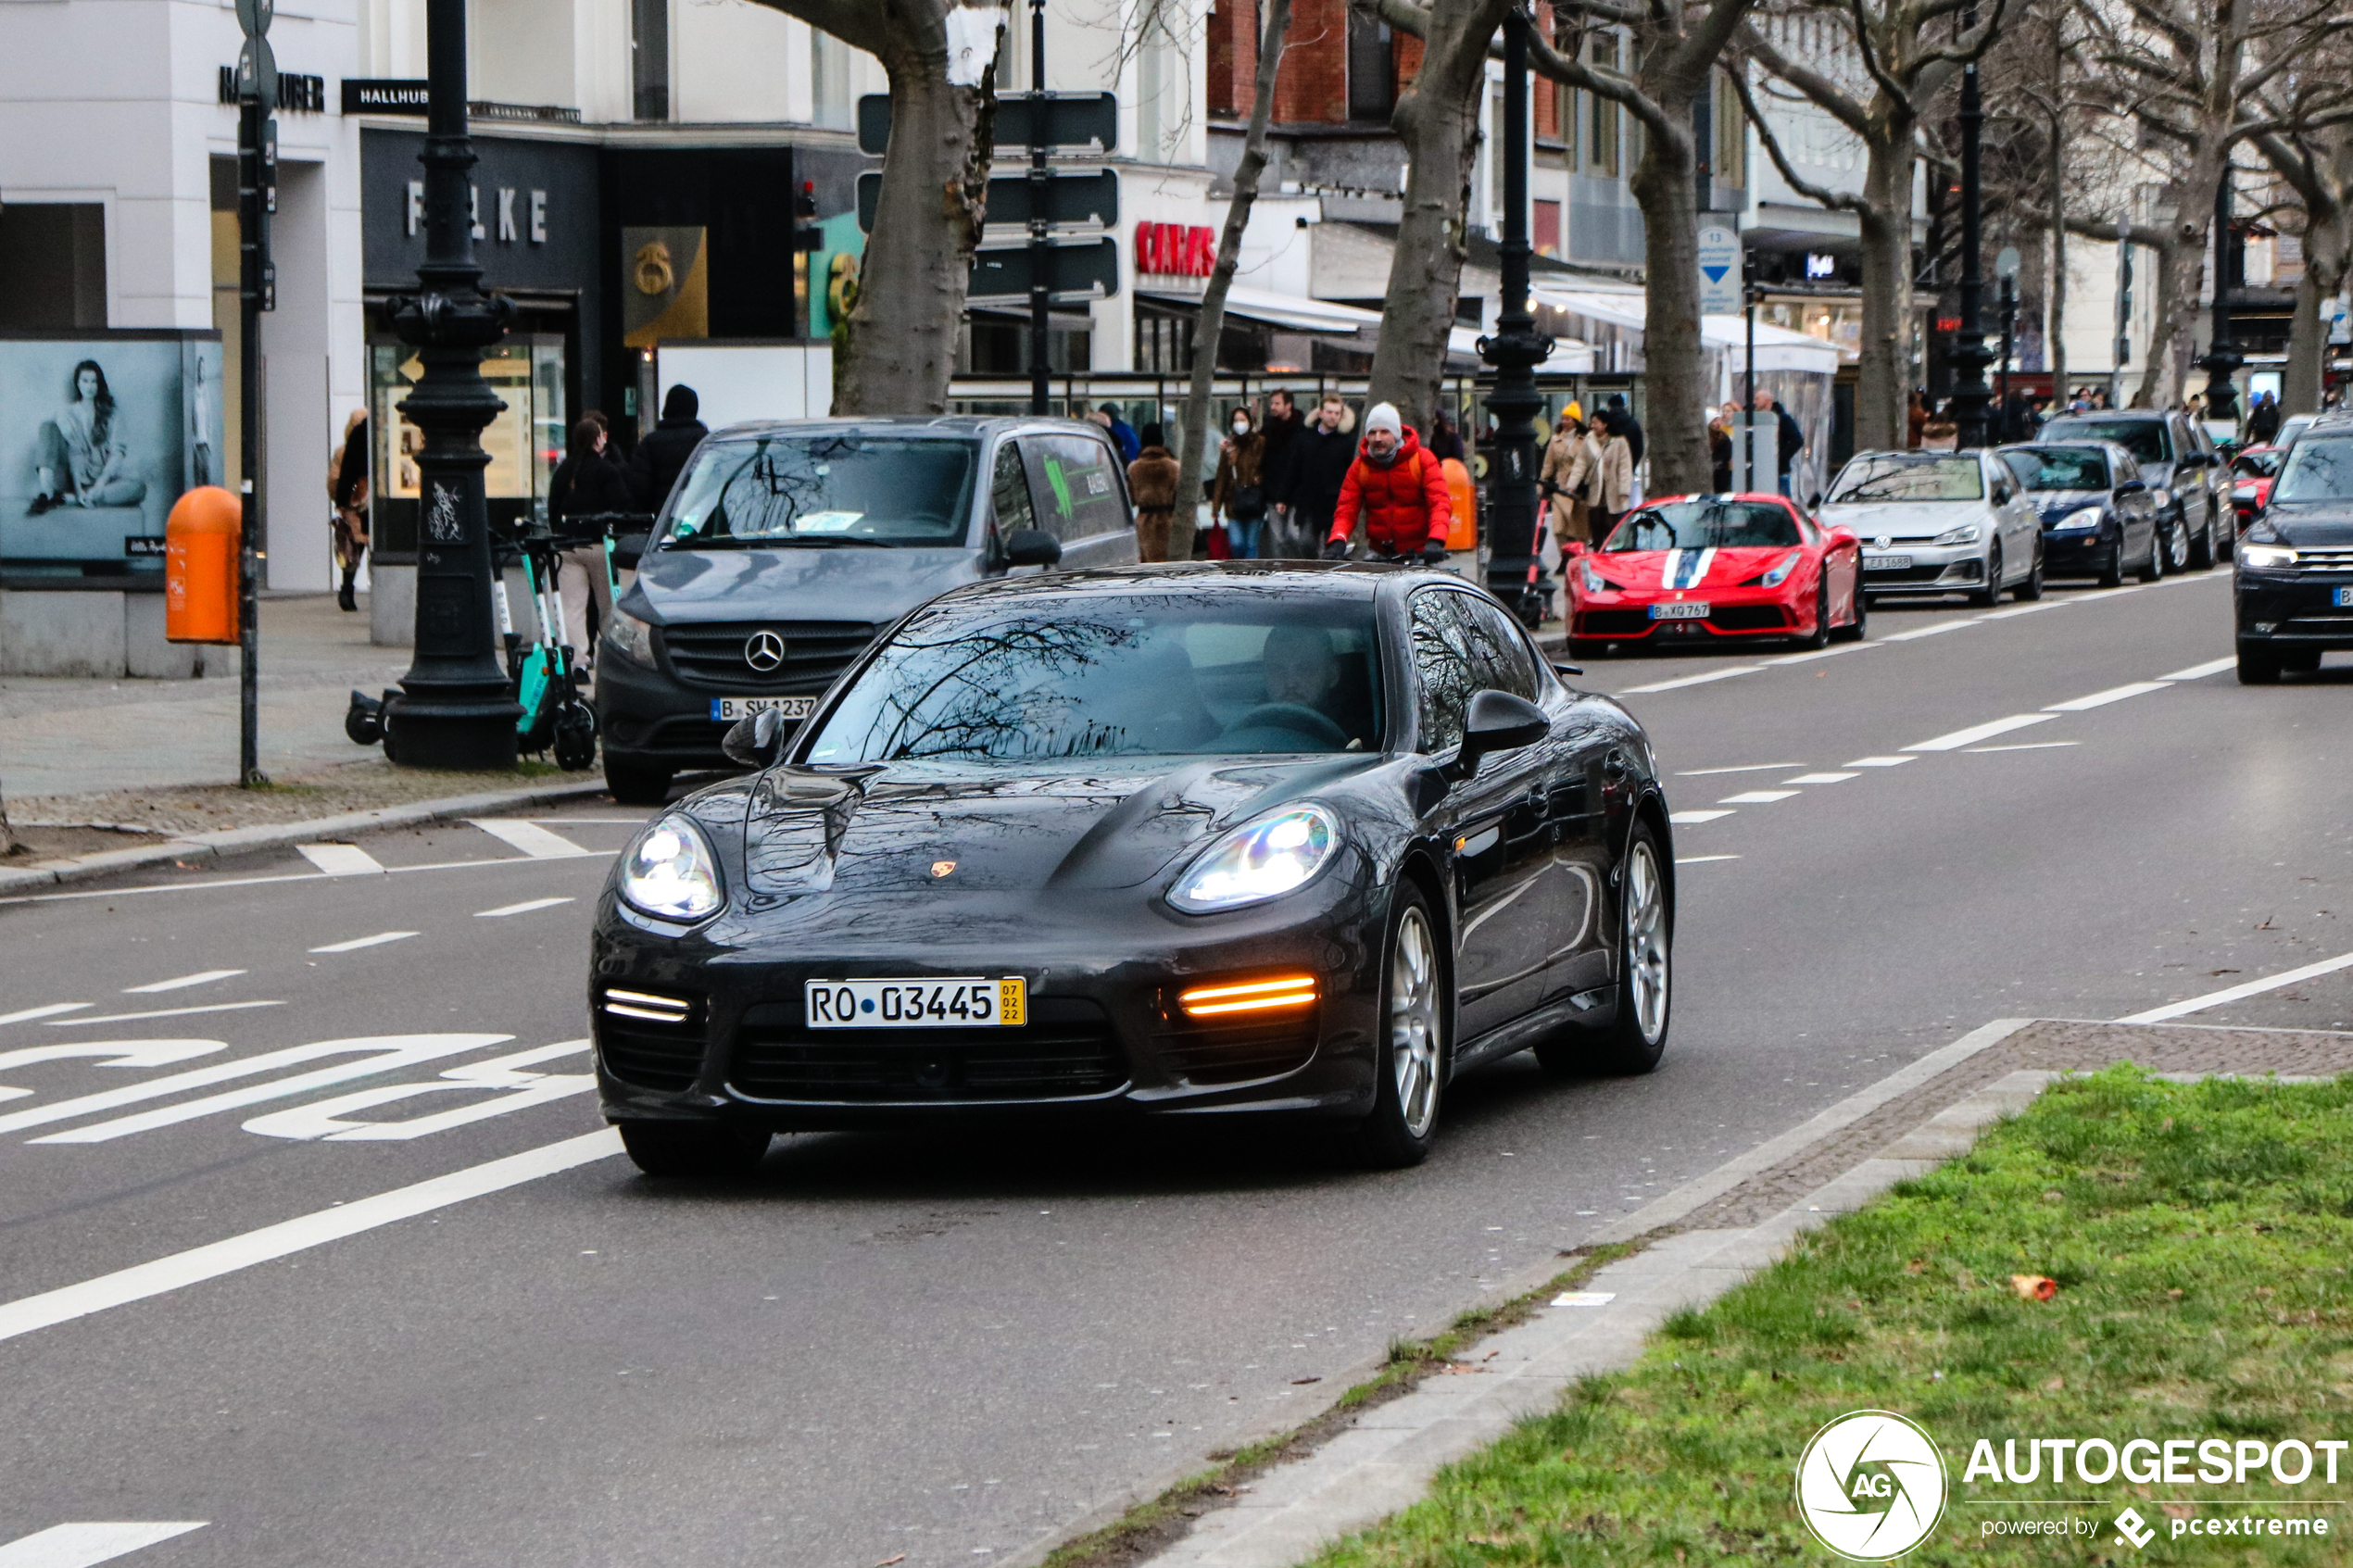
(1384, 416)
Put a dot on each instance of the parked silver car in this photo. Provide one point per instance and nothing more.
(1939, 523)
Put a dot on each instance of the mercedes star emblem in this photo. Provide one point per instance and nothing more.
(764, 651)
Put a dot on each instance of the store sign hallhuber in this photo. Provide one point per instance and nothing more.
(384, 94)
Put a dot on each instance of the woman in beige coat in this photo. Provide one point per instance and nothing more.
(1609, 484)
(1567, 456)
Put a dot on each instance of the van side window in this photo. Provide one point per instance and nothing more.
(1077, 484)
(1009, 492)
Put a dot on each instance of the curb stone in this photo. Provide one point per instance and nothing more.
(232, 841)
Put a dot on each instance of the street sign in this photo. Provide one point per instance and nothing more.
(1076, 269)
(254, 16)
(1088, 197)
(1719, 271)
(257, 71)
(1072, 119)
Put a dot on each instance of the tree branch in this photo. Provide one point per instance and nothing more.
(1820, 196)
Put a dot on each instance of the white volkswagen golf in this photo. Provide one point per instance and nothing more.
(1939, 523)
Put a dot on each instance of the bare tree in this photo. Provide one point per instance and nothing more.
(1437, 119)
(1894, 58)
(2318, 168)
(941, 58)
(1212, 324)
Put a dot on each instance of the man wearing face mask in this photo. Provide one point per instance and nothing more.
(1400, 490)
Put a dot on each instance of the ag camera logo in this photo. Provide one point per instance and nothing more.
(1870, 1486)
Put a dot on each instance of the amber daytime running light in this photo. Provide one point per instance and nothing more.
(1258, 996)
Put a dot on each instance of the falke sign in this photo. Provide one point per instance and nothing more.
(1179, 250)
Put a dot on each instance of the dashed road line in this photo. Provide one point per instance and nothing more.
(528, 837)
(1703, 773)
(49, 1009)
(198, 1264)
(1936, 628)
(2200, 671)
(2022, 745)
(1880, 761)
(87, 1545)
(2234, 993)
(1757, 796)
(1699, 680)
(159, 1012)
(340, 860)
(2101, 699)
(1975, 733)
(523, 908)
(1822, 778)
(1693, 819)
(202, 978)
(378, 940)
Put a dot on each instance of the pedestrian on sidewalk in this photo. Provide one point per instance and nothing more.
(1314, 470)
(1568, 460)
(1401, 490)
(585, 484)
(347, 492)
(1239, 494)
(1282, 431)
(1151, 484)
(1607, 481)
(1123, 435)
(662, 456)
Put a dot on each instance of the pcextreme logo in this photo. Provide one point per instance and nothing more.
(1870, 1486)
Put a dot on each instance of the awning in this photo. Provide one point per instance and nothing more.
(1291, 312)
(1569, 357)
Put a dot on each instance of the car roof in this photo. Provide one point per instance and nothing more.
(2072, 416)
(1722, 495)
(2112, 448)
(911, 427)
(1329, 579)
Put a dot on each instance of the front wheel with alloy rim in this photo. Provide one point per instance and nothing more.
(2177, 550)
(2202, 550)
(2032, 589)
(1634, 1038)
(1990, 594)
(1820, 634)
(1412, 1044)
(1853, 631)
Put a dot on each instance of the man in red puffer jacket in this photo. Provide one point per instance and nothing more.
(1401, 491)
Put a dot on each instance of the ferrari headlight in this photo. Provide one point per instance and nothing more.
(1594, 581)
(2089, 517)
(1259, 860)
(1965, 534)
(633, 637)
(1781, 568)
(670, 872)
(2266, 557)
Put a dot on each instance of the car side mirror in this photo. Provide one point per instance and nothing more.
(1499, 721)
(1560, 669)
(629, 549)
(2132, 487)
(2001, 495)
(1814, 502)
(754, 739)
(1032, 546)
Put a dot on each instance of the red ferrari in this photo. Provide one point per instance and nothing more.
(2252, 473)
(1694, 569)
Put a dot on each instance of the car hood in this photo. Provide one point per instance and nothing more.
(1901, 520)
(1661, 570)
(2058, 503)
(2310, 522)
(801, 583)
(1104, 823)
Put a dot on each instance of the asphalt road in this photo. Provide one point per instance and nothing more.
(951, 1349)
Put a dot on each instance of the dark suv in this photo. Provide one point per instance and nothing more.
(786, 548)
(2293, 587)
(2186, 477)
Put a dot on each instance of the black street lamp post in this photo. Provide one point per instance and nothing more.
(1042, 245)
(457, 709)
(2222, 360)
(1515, 350)
(1968, 354)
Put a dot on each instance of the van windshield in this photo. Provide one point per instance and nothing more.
(823, 491)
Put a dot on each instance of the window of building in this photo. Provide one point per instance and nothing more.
(650, 57)
(1160, 90)
(1600, 142)
(1732, 134)
(54, 254)
(1372, 66)
(1163, 340)
(1495, 160)
(830, 104)
(1546, 228)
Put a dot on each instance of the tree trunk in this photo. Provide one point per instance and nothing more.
(1438, 122)
(1677, 427)
(1221, 279)
(2301, 379)
(901, 346)
(2054, 329)
(2180, 267)
(1884, 361)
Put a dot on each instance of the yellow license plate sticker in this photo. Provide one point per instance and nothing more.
(1012, 1001)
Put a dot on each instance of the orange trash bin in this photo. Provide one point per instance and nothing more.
(1462, 501)
(200, 567)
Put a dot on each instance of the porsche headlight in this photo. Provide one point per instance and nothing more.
(1965, 534)
(1594, 582)
(671, 873)
(1781, 568)
(633, 637)
(2087, 518)
(1259, 860)
(2266, 557)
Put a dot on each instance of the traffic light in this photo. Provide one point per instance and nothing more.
(804, 206)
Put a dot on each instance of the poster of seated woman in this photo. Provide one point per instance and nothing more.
(84, 458)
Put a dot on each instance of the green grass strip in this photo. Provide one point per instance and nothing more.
(2200, 1236)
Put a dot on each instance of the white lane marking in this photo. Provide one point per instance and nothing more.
(1882, 761)
(340, 860)
(2200, 671)
(383, 1053)
(528, 837)
(257, 881)
(219, 1072)
(125, 1053)
(2022, 745)
(2251, 989)
(523, 908)
(1931, 630)
(85, 1546)
(50, 1011)
(1822, 778)
(159, 1012)
(2024, 609)
(1697, 679)
(378, 940)
(329, 1119)
(1688, 819)
(2101, 699)
(1825, 653)
(203, 977)
(1701, 860)
(215, 1258)
(1975, 733)
(1703, 773)
(1757, 796)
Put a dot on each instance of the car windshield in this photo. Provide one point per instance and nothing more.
(1114, 674)
(2146, 439)
(1703, 524)
(2318, 469)
(2261, 464)
(2059, 468)
(1877, 479)
(825, 491)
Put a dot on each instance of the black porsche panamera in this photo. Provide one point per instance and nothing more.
(1239, 838)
